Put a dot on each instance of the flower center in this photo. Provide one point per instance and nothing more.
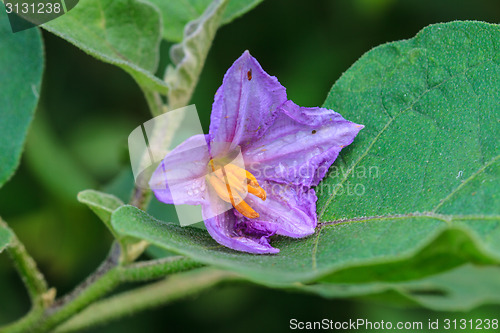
(230, 181)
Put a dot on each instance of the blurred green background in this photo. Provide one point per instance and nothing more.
(79, 140)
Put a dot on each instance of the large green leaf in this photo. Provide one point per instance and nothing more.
(430, 146)
(125, 33)
(430, 107)
(176, 14)
(21, 67)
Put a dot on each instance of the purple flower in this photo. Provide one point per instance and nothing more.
(286, 150)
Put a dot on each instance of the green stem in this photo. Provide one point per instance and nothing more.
(155, 269)
(26, 267)
(26, 323)
(155, 104)
(102, 281)
(33, 279)
(41, 297)
(153, 295)
(140, 197)
(105, 279)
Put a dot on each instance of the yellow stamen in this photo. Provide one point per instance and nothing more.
(246, 210)
(212, 165)
(221, 189)
(252, 180)
(234, 182)
(257, 191)
(229, 183)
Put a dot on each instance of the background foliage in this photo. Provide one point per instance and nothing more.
(72, 134)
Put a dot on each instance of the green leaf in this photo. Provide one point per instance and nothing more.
(189, 56)
(301, 260)
(21, 67)
(125, 33)
(430, 107)
(6, 236)
(176, 14)
(403, 226)
(430, 145)
(102, 204)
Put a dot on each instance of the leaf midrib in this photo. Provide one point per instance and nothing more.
(443, 217)
(448, 219)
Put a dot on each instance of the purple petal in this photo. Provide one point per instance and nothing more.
(237, 235)
(245, 105)
(300, 145)
(288, 209)
(180, 177)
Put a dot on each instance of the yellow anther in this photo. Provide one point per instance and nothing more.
(221, 190)
(257, 191)
(246, 210)
(230, 181)
(252, 180)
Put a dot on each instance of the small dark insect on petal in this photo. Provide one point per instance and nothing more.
(313, 132)
(249, 74)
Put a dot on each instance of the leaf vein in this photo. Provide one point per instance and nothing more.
(445, 218)
(459, 187)
(315, 250)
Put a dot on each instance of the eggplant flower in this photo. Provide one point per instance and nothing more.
(286, 150)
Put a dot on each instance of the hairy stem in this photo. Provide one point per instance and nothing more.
(150, 296)
(26, 323)
(41, 296)
(155, 269)
(105, 279)
(155, 104)
(108, 276)
(140, 197)
(26, 267)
